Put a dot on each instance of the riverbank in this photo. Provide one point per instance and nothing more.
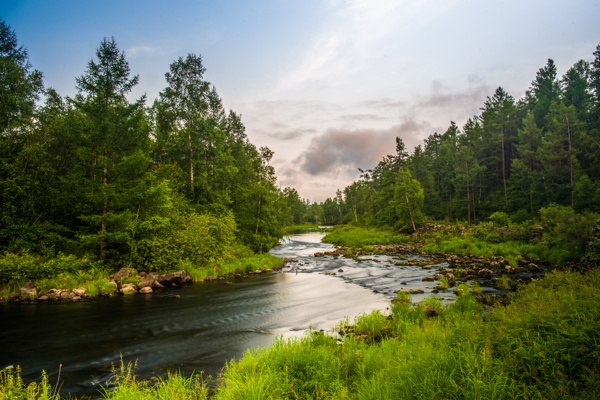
(95, 281)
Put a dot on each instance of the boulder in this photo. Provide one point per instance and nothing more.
(64, 295)
(485, 273)
(79, 292)
(451, 278)
(123, 274)
(175, 278)
(533, 267)
(430, 278)
(148, 281)
(146, 290)
(128, 288)
(28, 292)
(53, 294)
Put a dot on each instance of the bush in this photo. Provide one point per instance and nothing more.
(201, 239)
(566, 233)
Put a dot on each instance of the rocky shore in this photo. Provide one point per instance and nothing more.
(494, 272)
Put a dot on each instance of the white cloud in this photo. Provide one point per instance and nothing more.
(135, 51)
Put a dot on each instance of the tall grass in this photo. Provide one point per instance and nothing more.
(545, 345)
(173, 387)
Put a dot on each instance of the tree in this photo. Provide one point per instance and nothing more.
(499, 127)
(544, 90)
(182, 109)
(408, 198)
(114, 151)
(20, 86)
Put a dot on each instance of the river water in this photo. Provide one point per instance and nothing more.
(199, 327)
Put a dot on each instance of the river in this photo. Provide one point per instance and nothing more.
(199, 327)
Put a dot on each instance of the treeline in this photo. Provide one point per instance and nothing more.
(516, 157)
(115, 180)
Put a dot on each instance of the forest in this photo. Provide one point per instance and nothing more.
(107, 180)
(517, 157)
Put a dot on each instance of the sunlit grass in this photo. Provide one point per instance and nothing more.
(239, 266)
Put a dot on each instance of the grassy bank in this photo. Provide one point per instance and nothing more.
(544, 345)
(68, 272)
(547, 240)
(358, 237)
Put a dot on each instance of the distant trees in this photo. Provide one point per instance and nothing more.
(516, 157)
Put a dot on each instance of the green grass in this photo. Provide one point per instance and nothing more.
(244, 265)
(512, 251)
(358, 237)
(288, 230)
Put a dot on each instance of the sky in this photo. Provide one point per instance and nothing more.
(326, 84)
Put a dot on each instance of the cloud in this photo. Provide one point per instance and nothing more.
(342, 151)
(291, 134)
(361, 117)
(384, 103)
(135, 51)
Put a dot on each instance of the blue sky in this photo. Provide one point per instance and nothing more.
(329, 84)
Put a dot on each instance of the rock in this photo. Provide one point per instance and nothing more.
(64, 295)
(53, 294)
(80, 292)
(75, 298)
(28, 292)
(429, 278)
(149, 280)
(485, 273)
(43, 298)
(128, 288)
(533, 268)
(451, 278)
(431, 312)
(122, 274)
(175, 278)
(146, 290)
(340, 270)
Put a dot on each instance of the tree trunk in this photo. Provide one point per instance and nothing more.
(570, 164)
(504, 171)
(104, 205)
(191, 151)
(410, 213)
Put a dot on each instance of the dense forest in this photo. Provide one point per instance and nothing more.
(516, 157)
(123, 183)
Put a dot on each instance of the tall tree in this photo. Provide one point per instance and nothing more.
(116, 143)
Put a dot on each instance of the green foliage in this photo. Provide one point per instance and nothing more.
(356, 237)
(175, 386)
(499, 218)
(24, 267)
(12, 386)
(566, 233)
(200, 239)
